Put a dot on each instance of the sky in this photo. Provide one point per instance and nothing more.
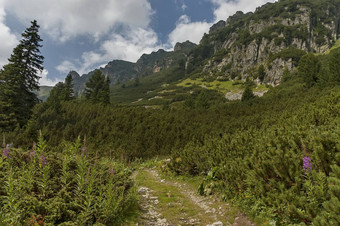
(82, 35)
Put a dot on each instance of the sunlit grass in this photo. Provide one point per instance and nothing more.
(221, 86)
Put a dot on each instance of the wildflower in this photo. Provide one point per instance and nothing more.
(307, 164)
(112, 171)
(5, 152)
(43, 160)
(32, 154)
(83, 152)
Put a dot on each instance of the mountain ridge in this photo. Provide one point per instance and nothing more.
(121, 71)
(274, 37)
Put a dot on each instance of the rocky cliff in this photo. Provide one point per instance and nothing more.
(273, 36)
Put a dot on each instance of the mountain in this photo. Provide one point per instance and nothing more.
(44, 92)
(117, 70)
(276, 35)
(121, 71)
(257, 46)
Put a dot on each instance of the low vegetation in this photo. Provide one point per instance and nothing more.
(71, 187)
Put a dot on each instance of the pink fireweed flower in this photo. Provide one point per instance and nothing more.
(307, 164)
(32, 154)
(83, 152)
(5, 152)
(43, 161)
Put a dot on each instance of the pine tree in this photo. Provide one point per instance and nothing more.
(98, 88)
(57, 95)
(19, 79)
(106, 91)
(68, 89)
(247, 94)
(261, 72)
(334, 65)
(309, 68)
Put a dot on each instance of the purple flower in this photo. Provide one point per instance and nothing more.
(5, 152)
(112, 171)
(307, 164)
(43, 160)
(32, 154)
(83, 152)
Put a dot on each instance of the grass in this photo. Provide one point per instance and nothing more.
(221, 86)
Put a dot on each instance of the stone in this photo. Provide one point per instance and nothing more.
(218, 223)
(143, 190)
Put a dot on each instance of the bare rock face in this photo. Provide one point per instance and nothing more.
(257, 42)
(274, 74)
(220, 24)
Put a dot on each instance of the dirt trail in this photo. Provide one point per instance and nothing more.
(166, 202)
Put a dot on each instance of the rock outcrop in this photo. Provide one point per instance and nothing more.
(246, 41)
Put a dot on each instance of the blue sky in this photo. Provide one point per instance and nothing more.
(82, 35)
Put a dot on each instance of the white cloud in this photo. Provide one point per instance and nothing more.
(193, 31)
(7, 40)
(120, 28)
(129, 46)
(226, 8)
(44, 81)
(65, 67)
(66, 19)
(187, 30)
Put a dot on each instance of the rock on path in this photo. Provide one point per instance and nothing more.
(150, 215)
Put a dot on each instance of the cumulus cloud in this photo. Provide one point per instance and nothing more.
(226, 8)
(187, 30)
(193, 31)
(45, 81)
(128, 45)
(66, 66)
(7, 40)
(66, 19)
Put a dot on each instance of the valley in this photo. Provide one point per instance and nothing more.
(242, 128)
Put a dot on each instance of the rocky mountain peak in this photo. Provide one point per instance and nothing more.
(220, 24)
(187, 45)
(74, 74)
(276, 36)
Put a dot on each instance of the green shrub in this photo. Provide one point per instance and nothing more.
(72, 187)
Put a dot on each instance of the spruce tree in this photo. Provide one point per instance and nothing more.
(19, 79)
(68, 88)
(309, 68)
(98, 88)
(261, 72)
(334, 65)
(247, 94)
(57, 95)
(106, 91)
